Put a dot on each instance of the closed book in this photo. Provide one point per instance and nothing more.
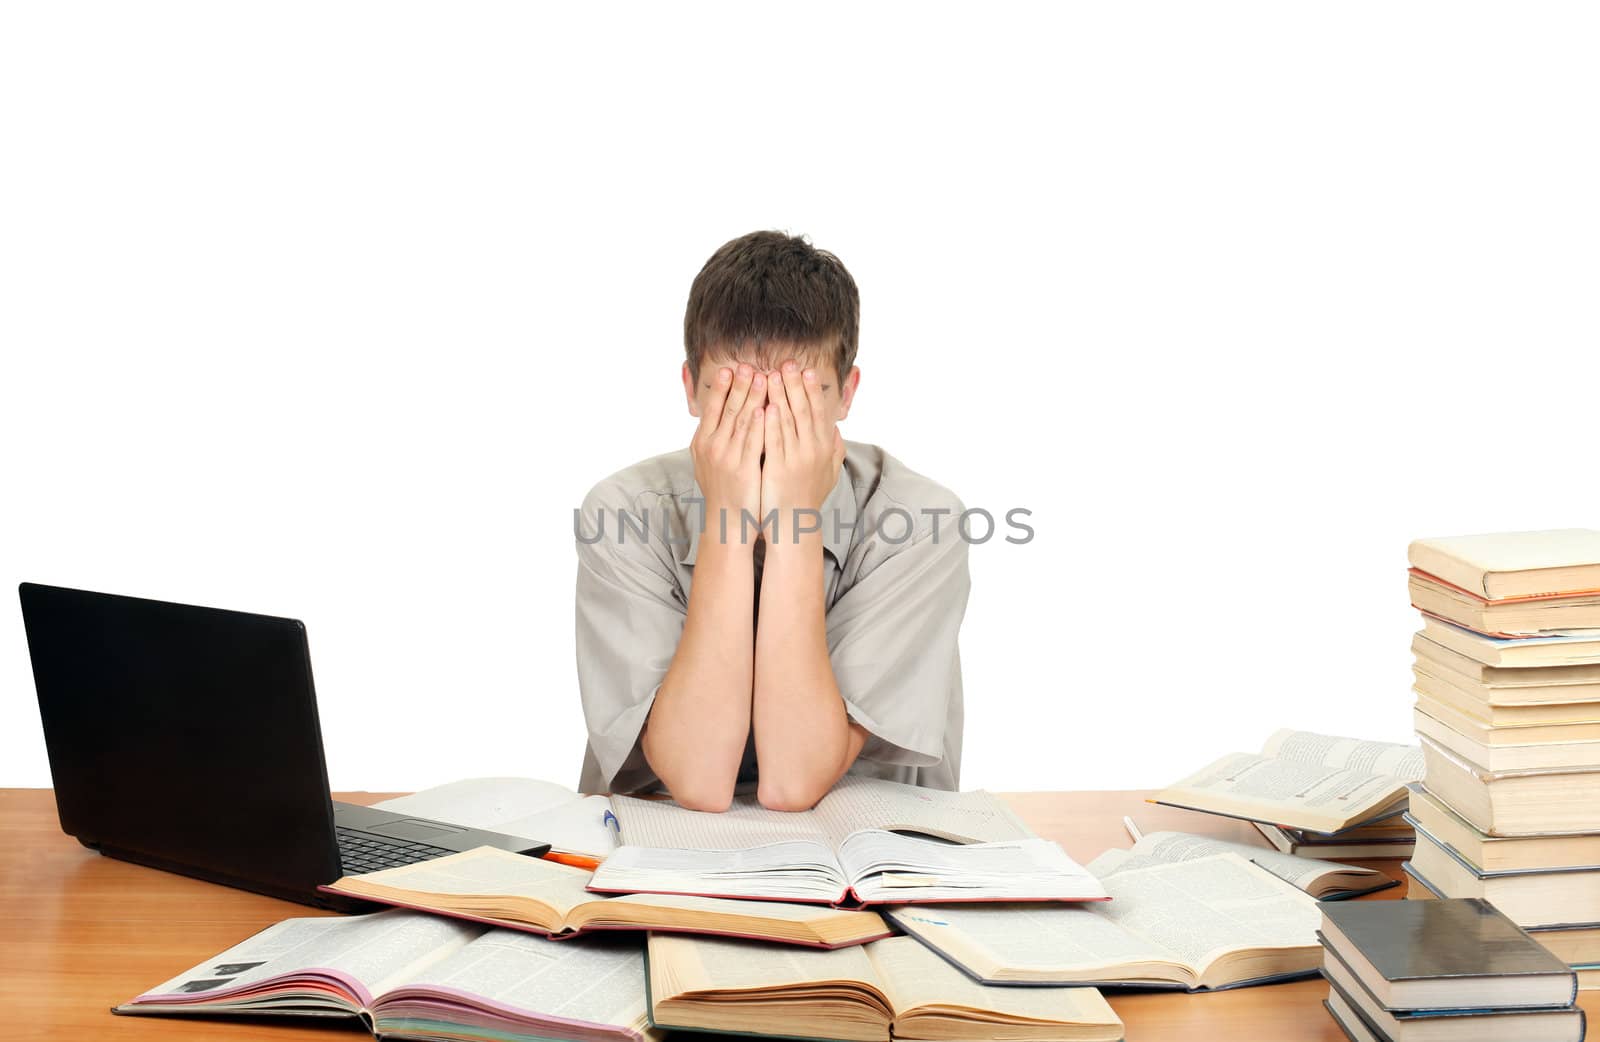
(1501, 685)
(1494, 751)
(1514, 803)
(1566, 614)
(1529, 897)
(1416, 955)
(1514, 652)
(1486, 706)
(1397, 846)
(1502, 565)
(1500, 853)
(1362, 1019)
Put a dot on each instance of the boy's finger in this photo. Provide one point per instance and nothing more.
(760, 422)
(770, 436)
(779, 395)
(799, 405)
(733, 410)
(711, 414)
(753, 402)
(819, 407)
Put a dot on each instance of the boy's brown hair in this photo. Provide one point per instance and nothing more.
(768, 291)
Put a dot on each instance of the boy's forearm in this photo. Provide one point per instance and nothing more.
(697, 729)
(804, 738)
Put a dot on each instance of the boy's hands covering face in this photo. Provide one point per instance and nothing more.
(726, 447)
(802, 442)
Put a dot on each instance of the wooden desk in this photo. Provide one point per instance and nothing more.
(80, 933)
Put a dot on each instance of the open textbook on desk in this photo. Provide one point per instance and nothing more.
(1320, 783)
(890, 989)
(848, 847)
(411, 976)
(1211, 923)
(525, 893)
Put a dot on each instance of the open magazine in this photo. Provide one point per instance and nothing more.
(1320, 783)
(850, 847)
(1211, 923)
(406, 975)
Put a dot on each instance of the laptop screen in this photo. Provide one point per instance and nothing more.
(183, 737)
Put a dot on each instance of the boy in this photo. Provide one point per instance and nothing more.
(771, 604)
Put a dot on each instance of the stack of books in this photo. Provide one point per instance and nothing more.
(1443, 970)
(1507, 680)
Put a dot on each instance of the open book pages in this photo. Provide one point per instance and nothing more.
(1213, 922)
(872, 867)
(418, 976)
(507, 889)
(841, 848)
(1321, 879)
(537, 810)
(893, 988)
(1320, 783)
(855, 804)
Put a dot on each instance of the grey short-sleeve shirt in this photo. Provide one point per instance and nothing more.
(895, 572)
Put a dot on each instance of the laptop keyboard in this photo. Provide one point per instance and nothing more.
(363, 852)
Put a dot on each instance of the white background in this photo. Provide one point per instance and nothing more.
(336, 310)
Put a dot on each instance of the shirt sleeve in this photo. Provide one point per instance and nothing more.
(629, 618)
(892, 640)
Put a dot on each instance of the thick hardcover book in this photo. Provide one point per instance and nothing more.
(1456, 1023)
(1446, 953)
(523, 893)
(1530, 897)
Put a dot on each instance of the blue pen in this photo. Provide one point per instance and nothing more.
(611, 819)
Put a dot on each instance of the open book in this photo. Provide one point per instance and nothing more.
(506, 889)
(1215, 922)
(1324, 880)
(888, 989)
(847, 847)
(537, 810)
(1320, 783)
(406, 975)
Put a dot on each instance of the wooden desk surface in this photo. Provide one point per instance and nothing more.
(80, 933)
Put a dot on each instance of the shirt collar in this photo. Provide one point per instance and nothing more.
(839, 516)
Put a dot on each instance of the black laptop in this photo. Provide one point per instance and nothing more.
(187, 739)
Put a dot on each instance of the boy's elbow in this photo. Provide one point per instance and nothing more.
(788, 795)
(701, 795)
